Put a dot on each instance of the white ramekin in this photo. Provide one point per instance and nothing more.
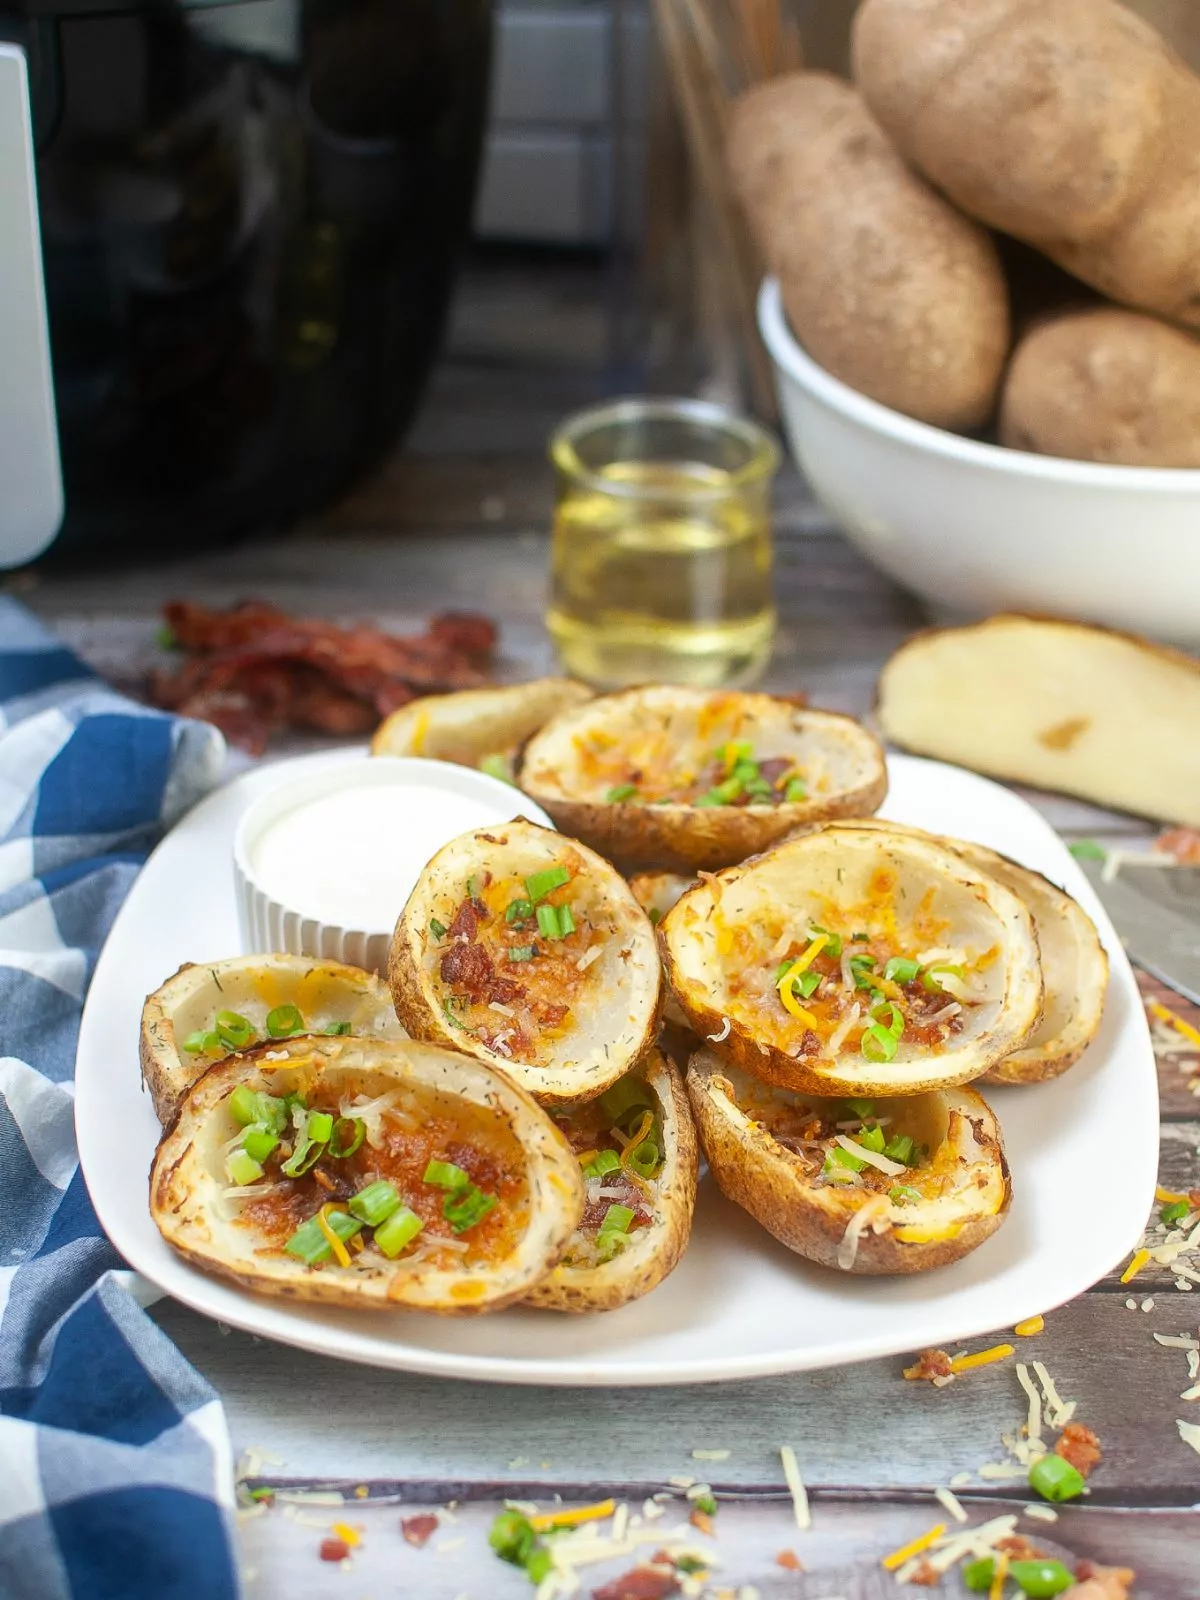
(269, 923)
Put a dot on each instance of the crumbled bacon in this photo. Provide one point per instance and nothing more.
(468, 967)
(926, 1576)
(254, 670)
(789, 1560)
(1017, 1548)
(931, 1365)
(642, 1583)
(420, 1529)
(1080, 1446)
(467, 919)
(702, 1520)
(1102, 1583)
(1182, 843)
(333, 1550)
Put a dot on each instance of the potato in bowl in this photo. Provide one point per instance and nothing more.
(901, 1186)
(856, 961)
(689, 779)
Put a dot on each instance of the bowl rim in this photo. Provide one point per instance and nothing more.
(791, 359)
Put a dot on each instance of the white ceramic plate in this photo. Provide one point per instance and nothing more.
(739, 1304)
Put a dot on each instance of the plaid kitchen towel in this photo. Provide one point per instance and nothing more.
(116, 1477)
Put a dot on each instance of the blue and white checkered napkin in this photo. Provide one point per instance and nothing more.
(115, 1469)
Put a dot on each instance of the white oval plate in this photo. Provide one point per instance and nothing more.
(739, 1305)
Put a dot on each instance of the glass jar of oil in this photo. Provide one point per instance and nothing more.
(661, 553)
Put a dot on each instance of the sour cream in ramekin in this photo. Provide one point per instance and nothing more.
(324, 861)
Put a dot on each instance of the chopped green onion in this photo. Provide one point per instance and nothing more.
(234, 1030)
(870, 1139)
(602, 1163)
(310, 1142)
(540, 1564)
(796, 790)
(335, 1030)
(284, 1021)
(1088, 850)
(833, 941)
(705, 1503)
(860, 1108)
(617, 1220)
(311, 1245)
(522, 952)
(539, 884)
(746, 773)
(838, 1156)
(445, 1175)
(436, 928)
(690, 1565)
(627, 1098)
(204, 1042)
(259, 1143)
(448, 1005)
(473, 886)
(760, 788)
(709, 799)
(1055, 1479)
(901, 969)
(166, 638)
(512, 1537)
(807, 983)
(726, 792)
(901, 1148)
(977, 1575)
(645, 1160)
(518, 910)
(1174, 1212)
(929, 975)
(878, 1045)
(655, 916)
(566, 921)
(347, 1137)
(397, 1231)
(735, 751)
(375, 1203)
(243, 1106)
(497, 766)
(547, 921)
(902, 1194)
(621, 791)
(862, 968)
(320, 1126)
(466, 1207)
(241, 1167)
(895, 1022)
(1041, 1579)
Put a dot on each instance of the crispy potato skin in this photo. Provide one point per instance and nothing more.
(183, 1192)
(474, 723)
(633, 1274)
(885, 284)
(765, 1179)
(684, 838)
(1105, 385)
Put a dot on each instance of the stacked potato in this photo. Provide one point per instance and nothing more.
(1072, 128)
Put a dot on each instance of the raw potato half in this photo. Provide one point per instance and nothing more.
(476, 723)
(880, 894)
(654, 1246)
(963, 1190)
(661, 740)
(430, 1091)
(611, 999)
(324, 992)
(1081, 710)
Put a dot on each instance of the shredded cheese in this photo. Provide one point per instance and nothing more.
(838, 1037)
(1167, 1197)
(1030, 1326)
(999, 1574)
(1042, 1513)
(1189, 1432)
(341, 1254)
(1165, 1014)
(1140, 1258)
(951, 1503)
(346, 1533)
(1033, 1425)
(784, 986)
(795, 1483)
(719, 1038)
(891, 1169)
(861, 1220)
(1058, 1411)
(914, 1547)
(574, 1517)
(982, 1358)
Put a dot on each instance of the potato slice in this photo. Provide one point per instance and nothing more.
(417, 1104)
(327, 995)
(660, 744)
(662, 1202)
(844, 904)
(1082, 710)
(871, 1222)
(475, 724)
(564, 1015)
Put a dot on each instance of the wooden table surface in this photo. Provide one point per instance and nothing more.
(459, 520)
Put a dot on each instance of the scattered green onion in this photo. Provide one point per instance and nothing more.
(436, 928)
(466, 1207)
(243, 1106)
(259, 1143)
(566, 921)
(655, 916)
(166, 638)
(838, 1156)
(512, 1537)
(347, 1137)
(727, 791)
(397, 1231)
(547, 921)
(518, 910)
(539, 884)
(241, 1167)
(234, 1030)
(1055, 1479)
(320, 1126)
(311, 1245)
(862, 968)
(895, 1017)
(796, 790)
(901, 1194)
(445, 1175)
(204, 1042)
(901, 1148)
(284, 1021)
(833, 941)
(335, 1030)
(929, 975)
(1088, 850)
(860, 1108)
(1039, 1579)
(540, 1564)
(878, 1045)
(709, 799)
(522, 952)
(645, 1160)
(375, 1203)
(705, 1503)
(497, 766)
(871, 1139)
(621, 791)
(901, 969)
(311, 1136)
(977, 1575)
(690, 1564)
(448, 1005)
(611, 1235)
(626, 1099)
(473, 886)
(602, 1163)
(1174, 1212)
(735, 751)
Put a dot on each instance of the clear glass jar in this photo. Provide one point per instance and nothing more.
(661, 556)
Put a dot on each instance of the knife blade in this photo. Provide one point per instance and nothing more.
(1156, 911)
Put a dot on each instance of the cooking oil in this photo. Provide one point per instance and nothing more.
(661, 569)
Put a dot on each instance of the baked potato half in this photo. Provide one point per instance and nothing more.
(691, 779)
(369, 1173)
(656, 893)
(637, 1147)
(208, 1010)
(918, 1186)
(529, 951)
(856, 961)
(476, 727)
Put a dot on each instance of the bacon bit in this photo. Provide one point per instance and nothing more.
(913, 1548)
(1030, 1326)
(574, 1517)
(1165, 1014)
(420, 1529)
(1182, 843)
(643, 1583)
(1140, 1258)
(1017, 1548)
(789, 1560)
(1080, 1446)
(333, 1550)
(702, 1520)
(982, 1358)
(933, 1365)
(1102, 1583)
(926, 1576)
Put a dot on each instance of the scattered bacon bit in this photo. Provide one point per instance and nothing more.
(926, 1576)
(420, 1529)
(254, 670)
(1017, 1548)
(1102, 1583)
(1193, 1199)
(1182, 843)
(334, 1550)
(1080, 1446)
(933, 1365)
(702, 1520)
(466, 920)
(789, 1560)
(642, 1583)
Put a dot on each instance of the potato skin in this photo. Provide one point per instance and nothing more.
(1105, 385)
(1071, 125)
(885, 284)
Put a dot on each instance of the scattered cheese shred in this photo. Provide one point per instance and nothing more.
(1189, 1432)
(1058, 1411)
(341, 1254)
(1168, 1197)
(1140, 1258)
(1165, 1014)
(1033, 1424)
(982, 1358)
(795, 1483)
(574, 1517)
(999, 1574)
(1030, 1326)
(346, 1534)
(1042, 1513)
(913, 1548)
(951, 1503)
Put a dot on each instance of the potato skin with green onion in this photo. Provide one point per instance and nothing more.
(644, 1264)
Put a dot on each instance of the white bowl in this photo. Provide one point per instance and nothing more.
(976, 528)
(347, 910)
